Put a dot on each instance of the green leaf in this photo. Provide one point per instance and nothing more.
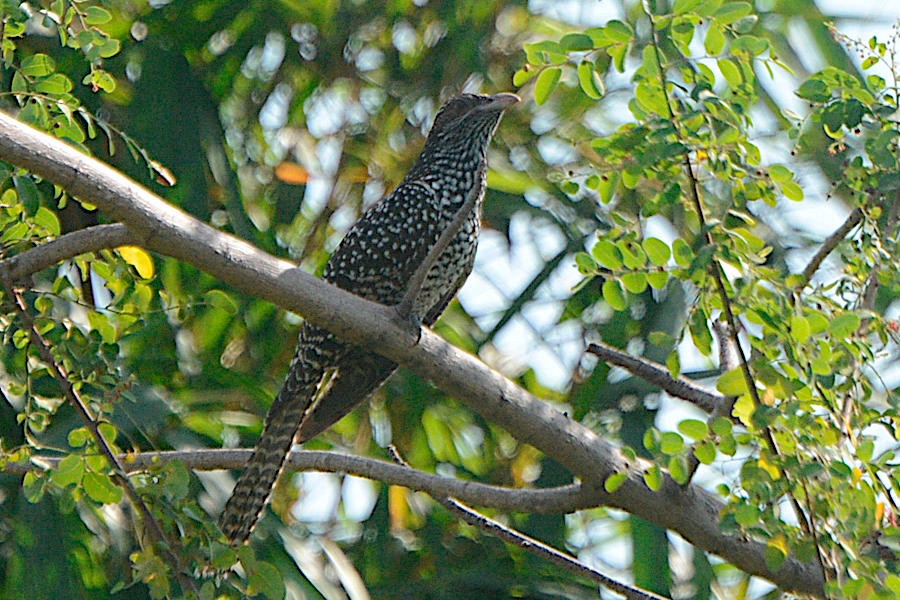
(746, 515)
(633, 255)
(101, 488)
(682, 6)
(780, 173)
(732, 383)
(673, 363)
(576, 42)
(844, 325)
(671, 443)
(732, 11)
(266, 579)
(683, 254)
(730, 72)
(590, 81)
(700, 334)
(776, 553)
(614, 482)
(607, 255)
(69, 471)
(101, 323)
(585, 264)
(54, 85)
(95, 15)
(109, 432)
(546, 83)
(661, 339)
(649, 95)
(28, 194)
(635, 283)
(814, 90)
(613, 294)
(792, 191)
(722, 426)
(619, 31)
(715, 40)
(222, 300)
(678, 469)
(79, 437)
(708, 7)
(523, 76)
(657, 251)
(47, 219)
(33, 487)
(101, 80)
(694, 428)
(865, 449)
(653, 478)
(658, 279)
(705, 452)
(799, 329)
(37, 65)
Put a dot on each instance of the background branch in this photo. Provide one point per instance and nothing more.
(690, 511)
(562, 499)
(658, 375)
(828, 245)
(536, 547)
(70, 245)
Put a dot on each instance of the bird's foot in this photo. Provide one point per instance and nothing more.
(407, 320)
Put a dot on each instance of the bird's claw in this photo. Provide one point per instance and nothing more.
(408, 321)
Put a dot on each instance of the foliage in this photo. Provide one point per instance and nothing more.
(643, 163)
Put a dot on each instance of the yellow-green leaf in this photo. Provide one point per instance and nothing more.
(139, 259)
(590, 81)
(613, 294)
(101, 488)
(614, 482)
(546, 83)
(732, 383)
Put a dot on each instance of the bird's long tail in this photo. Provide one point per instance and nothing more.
(256, 483)
(315, 351)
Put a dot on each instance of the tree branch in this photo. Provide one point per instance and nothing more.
(536, 547)
(562, 499)
(658, 375)
(690, 511)
(830, 243)
(70, 245)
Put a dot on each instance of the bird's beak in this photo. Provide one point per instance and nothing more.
(501, 101)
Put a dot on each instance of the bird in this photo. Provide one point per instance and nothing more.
(375, 260)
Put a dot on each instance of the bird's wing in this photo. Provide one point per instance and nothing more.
(358, 375)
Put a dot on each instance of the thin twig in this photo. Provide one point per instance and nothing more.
(828, 245)
(728, 360)
(536, 547)
(404, 308)
(658, 375)
(153, 528)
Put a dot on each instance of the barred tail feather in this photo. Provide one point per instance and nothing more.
(256, 483)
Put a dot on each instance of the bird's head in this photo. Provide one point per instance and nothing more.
(468, 120)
